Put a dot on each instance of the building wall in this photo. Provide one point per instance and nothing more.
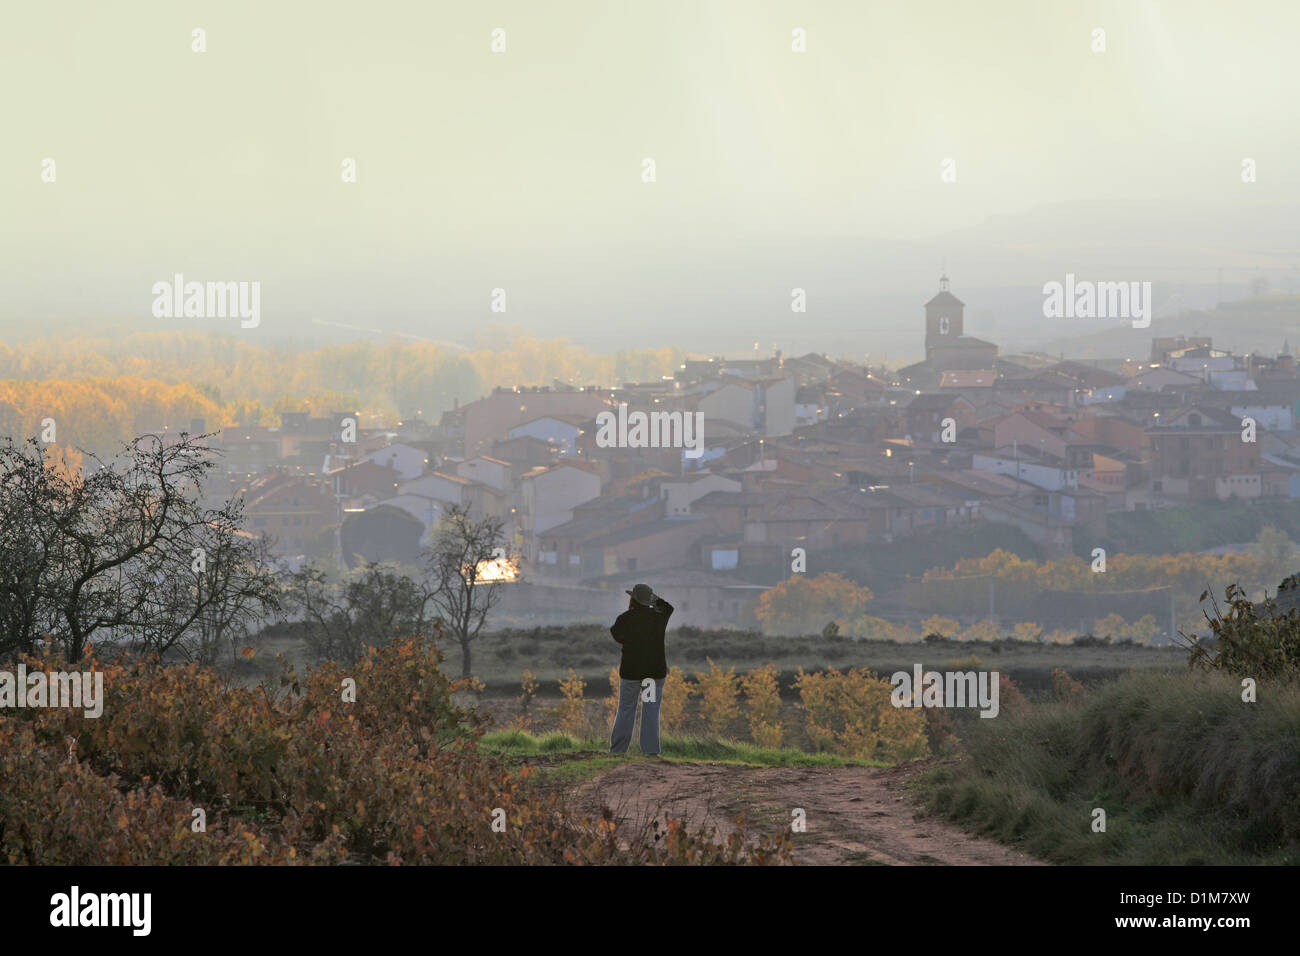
(780, 411)
(671, 548)
(1190, 465)
(292, 516)
(492, 473)
(732, 402)
(1238, 486)
(552, 495)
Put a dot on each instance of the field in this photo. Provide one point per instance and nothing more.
(501, 656)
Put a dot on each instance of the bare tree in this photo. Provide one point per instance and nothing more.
(31, 492)
(215, 596)
(108, 552)
(374, 606)
(465, 569)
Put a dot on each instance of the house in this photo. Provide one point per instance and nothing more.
(813, 520)
(647, 546)
(924, 414)
(290, 511)
(679, 494)
(407, 461)
(248, 450)
(1042, 434)
(490, 419)
(766, 405)
(1014, 463)
(557, 430)
(559, 548)
(524, 452)
(381, 533)
(364, 478)
(476, 498)
(810, 405)
(490, 471)
(810, 369)
(1196, 453)
(1163, 345)
(547, 497)
(854, 388)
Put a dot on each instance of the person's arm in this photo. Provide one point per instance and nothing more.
(619, 628)
(665, 607)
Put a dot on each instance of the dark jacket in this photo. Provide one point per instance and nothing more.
(641, 632)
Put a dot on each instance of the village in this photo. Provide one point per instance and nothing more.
(797, 452)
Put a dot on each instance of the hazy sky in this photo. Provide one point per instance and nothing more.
(524, 169)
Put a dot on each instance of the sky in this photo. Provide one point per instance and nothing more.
(523, 169)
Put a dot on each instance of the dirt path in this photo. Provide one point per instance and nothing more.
(855, 815)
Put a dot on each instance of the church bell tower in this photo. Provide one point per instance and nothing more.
(943, 318)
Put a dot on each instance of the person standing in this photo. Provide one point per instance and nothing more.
(641, 669)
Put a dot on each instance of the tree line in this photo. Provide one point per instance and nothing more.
(106, 390)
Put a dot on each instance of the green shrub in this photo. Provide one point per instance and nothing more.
(1186, 771)
(1250, 640)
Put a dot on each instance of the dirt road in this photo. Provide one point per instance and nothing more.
(855, 815)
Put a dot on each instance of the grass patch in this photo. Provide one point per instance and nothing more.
(520, 743)
(1187, 773)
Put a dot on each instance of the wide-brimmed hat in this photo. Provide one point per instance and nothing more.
(643, 594)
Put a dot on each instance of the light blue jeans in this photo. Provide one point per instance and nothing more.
(629, 692)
